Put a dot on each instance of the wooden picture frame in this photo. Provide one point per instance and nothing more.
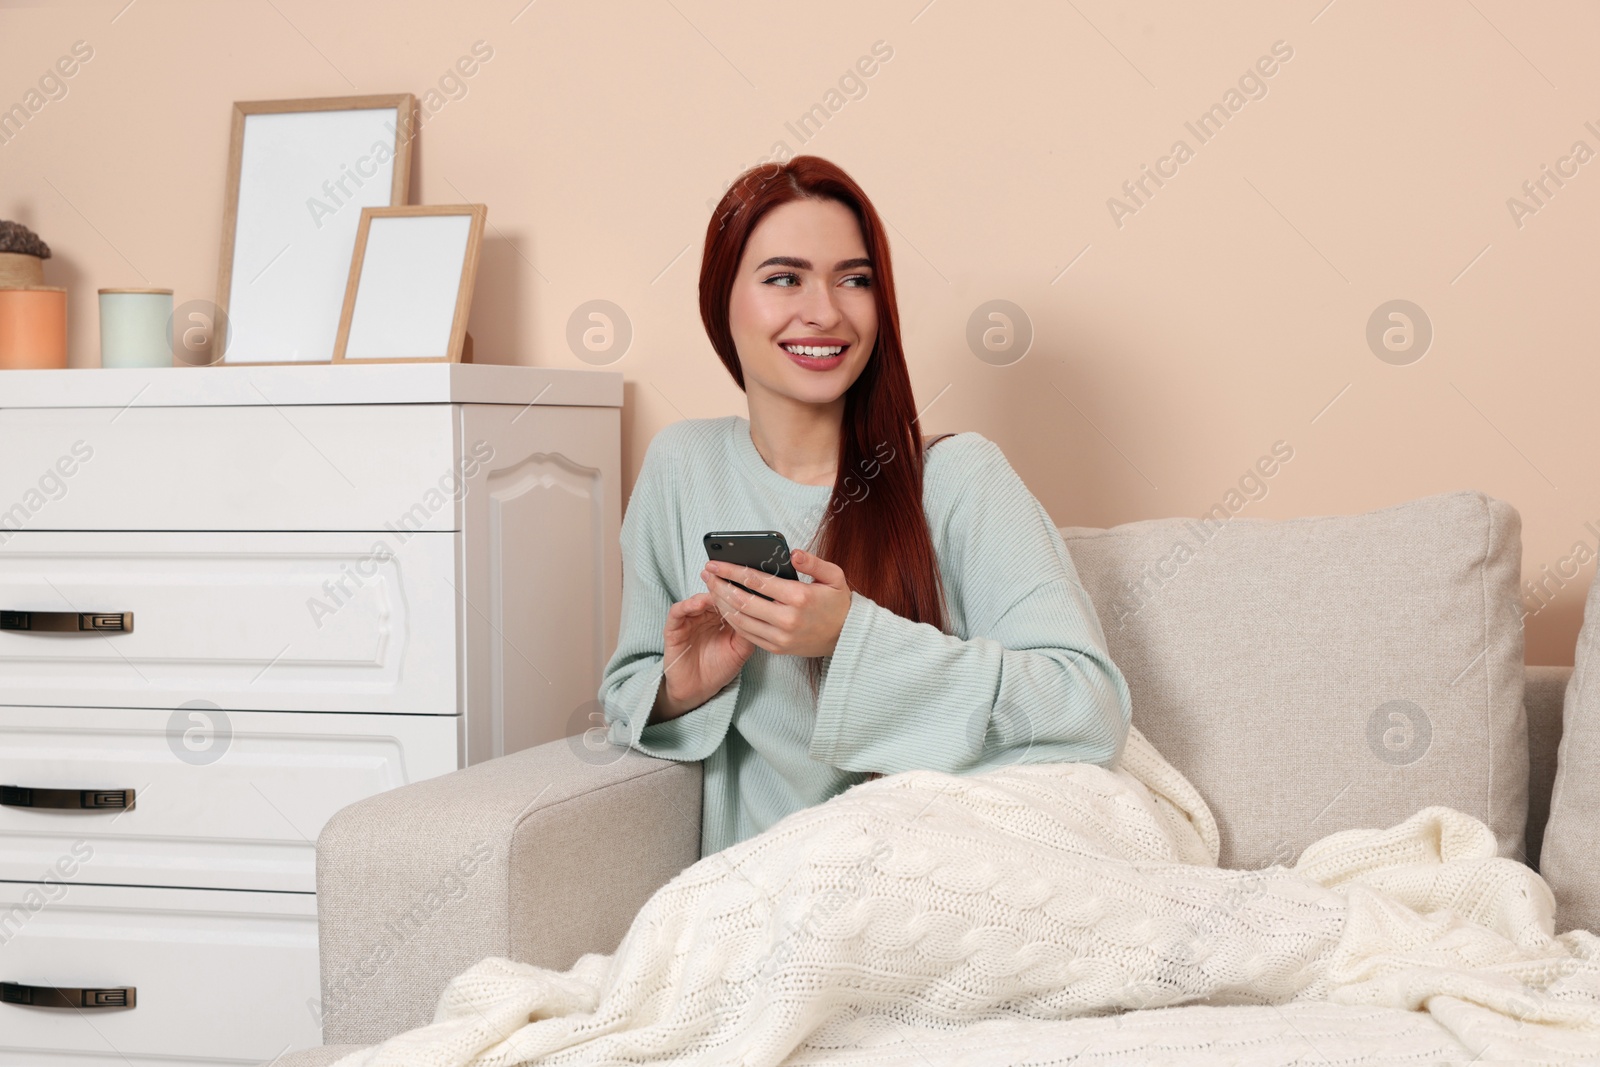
(401, 301)
(318, 167)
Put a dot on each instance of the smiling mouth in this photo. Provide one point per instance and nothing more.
(814, 351)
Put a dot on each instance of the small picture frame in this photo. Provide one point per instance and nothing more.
(410, 286)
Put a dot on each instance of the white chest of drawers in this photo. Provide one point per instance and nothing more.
(246, 597)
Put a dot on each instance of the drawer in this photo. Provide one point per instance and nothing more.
(222, 800)
(219, 978)
(323, 467)
(272, 622)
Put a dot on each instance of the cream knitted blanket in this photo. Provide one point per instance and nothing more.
(938, 904)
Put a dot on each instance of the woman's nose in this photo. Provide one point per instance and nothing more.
(820, 308)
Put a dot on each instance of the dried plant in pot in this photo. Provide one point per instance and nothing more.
(22, 256)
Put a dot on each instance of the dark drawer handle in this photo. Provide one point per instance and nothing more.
(44, 996)
(68, 622)
(21, 796)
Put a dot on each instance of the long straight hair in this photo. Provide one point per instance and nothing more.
(875, 528)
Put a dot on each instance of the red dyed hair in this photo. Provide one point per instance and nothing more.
(875, 528)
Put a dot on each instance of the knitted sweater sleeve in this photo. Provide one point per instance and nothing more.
(1033, 683)
(651, 571)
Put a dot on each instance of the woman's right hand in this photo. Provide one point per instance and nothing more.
(701, 655)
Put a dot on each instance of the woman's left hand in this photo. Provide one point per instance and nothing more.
(801, 619)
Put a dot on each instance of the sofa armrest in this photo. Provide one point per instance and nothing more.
(541, 856)
(1542, 695)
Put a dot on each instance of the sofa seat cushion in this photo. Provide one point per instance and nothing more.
(320, 1056)
(1570, 860)
(1318, 674)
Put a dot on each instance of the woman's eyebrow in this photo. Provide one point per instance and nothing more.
(805, 264)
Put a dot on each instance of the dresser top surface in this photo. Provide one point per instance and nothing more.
(323, 383)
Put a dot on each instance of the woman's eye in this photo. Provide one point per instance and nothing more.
(789, 281)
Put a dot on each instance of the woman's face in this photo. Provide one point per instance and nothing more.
(804, 286)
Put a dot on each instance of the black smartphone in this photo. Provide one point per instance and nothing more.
(762, 550)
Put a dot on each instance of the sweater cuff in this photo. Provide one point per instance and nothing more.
(833, 701)
(695, 734)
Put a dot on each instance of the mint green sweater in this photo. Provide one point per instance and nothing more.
(1023, 677)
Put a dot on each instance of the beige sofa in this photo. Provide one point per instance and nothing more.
(1309, 675)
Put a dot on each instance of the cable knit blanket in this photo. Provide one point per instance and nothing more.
(972, 911)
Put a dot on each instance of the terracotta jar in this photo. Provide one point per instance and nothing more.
(33, 327)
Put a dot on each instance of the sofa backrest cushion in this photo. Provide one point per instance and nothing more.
(1326, 673)
(1570, 860)
(1544, 688)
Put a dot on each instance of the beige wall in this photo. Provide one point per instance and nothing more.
(1173, 344)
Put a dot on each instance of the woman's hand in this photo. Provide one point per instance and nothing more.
(702, 654)
(801, 619)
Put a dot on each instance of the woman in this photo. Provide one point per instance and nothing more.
(943, 625)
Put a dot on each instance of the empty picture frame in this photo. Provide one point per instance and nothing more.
(410, 286)
(299, 174)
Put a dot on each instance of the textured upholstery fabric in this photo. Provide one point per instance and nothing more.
(541, 856)
(1324, 673)
(1571, 861)
(320, 1056)
(1543, 694)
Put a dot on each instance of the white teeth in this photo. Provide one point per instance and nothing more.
(815, 351)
